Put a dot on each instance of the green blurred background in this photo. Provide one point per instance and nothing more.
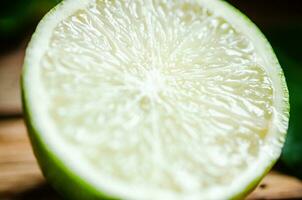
(280, 21)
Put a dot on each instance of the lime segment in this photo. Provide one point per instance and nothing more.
(157, 99)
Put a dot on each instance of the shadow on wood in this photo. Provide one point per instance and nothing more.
(43, 191)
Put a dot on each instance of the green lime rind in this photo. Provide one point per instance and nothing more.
(290, 58)
(286, 111)
(63, 180)
(252, 186)
(70, 184)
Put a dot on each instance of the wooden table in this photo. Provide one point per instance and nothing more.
(21, 179)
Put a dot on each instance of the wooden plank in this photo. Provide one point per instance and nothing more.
(10, 72)
(278, 186)
(18, 168)
(20, 177)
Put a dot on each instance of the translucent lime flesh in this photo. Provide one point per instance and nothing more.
(159, 94)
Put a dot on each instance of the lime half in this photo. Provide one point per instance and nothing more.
(153, 99)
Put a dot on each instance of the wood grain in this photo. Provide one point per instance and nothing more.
(10, 72)
(21, 179)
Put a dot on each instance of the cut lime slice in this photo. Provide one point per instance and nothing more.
(153, 99)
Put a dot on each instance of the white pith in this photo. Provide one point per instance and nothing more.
(147, 90)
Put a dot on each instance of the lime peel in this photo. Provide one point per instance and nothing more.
(167, 91)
